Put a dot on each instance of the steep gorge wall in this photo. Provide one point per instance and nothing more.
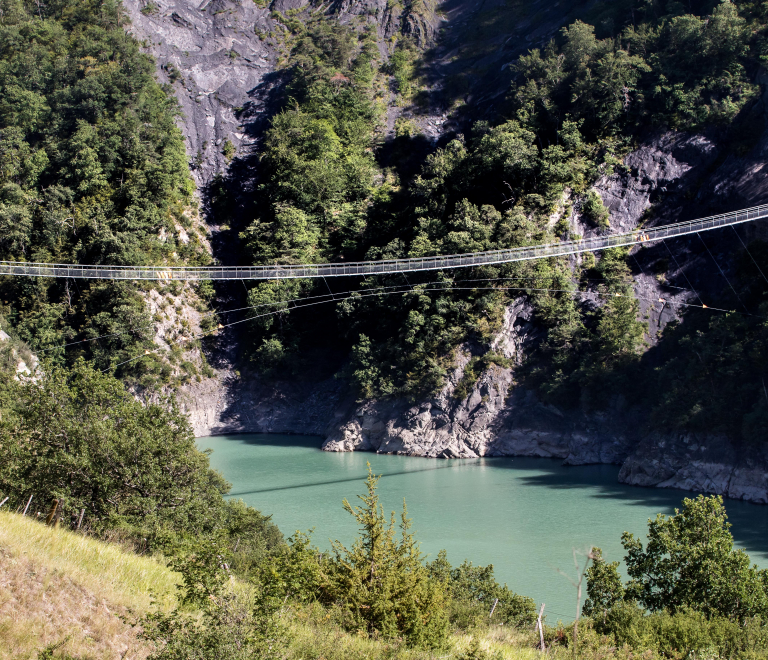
(498, 417)
(681, 175)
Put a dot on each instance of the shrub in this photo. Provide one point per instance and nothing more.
(594, 210)
(473, 590)
(228, 149)
(214, 620)
(381, 581)
(689, 562)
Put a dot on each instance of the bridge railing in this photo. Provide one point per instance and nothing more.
(439, 262)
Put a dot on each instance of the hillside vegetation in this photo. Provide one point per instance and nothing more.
(93, 170)
(57, 586)
(64, 595)
(98, 463)
(332, 188)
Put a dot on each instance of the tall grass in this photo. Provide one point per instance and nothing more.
(115, 573)
(57, 586)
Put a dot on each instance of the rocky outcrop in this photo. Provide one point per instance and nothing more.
(17, 358)
(496, 418)
(704, 464)
(213, 54)
(235, 404)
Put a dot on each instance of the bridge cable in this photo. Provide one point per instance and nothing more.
(572, 292)
(746, 249)
(82, 341)
(638, 264)
(378, 290)
(328, 287)
(723, 274)
(682, 272)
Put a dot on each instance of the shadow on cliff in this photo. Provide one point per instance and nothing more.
(228, 202)
(469, 62)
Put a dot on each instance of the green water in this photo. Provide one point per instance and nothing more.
(523, 515)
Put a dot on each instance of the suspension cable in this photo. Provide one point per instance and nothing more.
(723, 274)
(746, 249)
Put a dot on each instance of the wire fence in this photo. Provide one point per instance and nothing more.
(387, 266)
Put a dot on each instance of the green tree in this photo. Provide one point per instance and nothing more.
(78, 436)
(689, 562)
(382, 582)
(604, 587)
(93, 169)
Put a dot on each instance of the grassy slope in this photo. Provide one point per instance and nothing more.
(56, 585)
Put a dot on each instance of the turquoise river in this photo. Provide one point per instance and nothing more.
(523, 515)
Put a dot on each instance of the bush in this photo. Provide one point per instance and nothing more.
(473, 590)
(689, 563)
(689, 594)
(214, 620)
(594, 210)
(79, 437)
(685, 633)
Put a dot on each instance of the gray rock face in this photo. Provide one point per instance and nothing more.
(446, 426)
(690, 462)
(214, 54)
(665, 162)
(221, 59)
(229, 404)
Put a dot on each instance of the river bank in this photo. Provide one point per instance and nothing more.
(497, 418)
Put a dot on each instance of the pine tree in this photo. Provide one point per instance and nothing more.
(381, 580)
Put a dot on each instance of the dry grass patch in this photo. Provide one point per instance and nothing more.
(55, 585)
(316, 634)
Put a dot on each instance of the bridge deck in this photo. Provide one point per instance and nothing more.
(444, 262)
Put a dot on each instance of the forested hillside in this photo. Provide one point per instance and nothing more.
(344, 163)
(334, 185)
(93, 170)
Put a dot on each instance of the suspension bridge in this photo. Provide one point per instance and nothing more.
(386, 266)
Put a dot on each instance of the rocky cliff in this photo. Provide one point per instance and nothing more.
(216, 56)
(498, 417)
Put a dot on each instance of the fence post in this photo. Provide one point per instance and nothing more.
(540, 627)
(52, 512)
